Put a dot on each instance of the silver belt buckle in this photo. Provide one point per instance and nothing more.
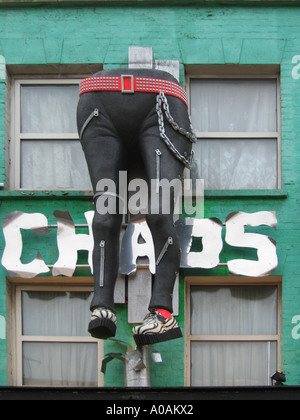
(127, 85)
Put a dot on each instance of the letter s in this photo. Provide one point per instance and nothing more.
(296, 69)
(296, 329)
(266, 247)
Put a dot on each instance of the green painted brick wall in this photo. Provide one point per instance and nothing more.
(192, 35)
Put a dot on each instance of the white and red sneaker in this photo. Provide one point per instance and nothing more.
(156, 329)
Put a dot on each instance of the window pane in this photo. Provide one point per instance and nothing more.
(232, 363)
(236, 164)
(53, 164)
(49, 108)
(233, 105)
(60, 364)
(233, 310)
(56, 313)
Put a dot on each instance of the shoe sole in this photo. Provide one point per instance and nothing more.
(145, 339)
(102, 328)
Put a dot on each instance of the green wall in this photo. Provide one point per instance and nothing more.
(192, 35)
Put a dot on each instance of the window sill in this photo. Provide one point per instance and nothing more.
(88, 195)
(208, 194)
(42, 195)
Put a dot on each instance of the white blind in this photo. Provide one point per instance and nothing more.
(51, 316)
(239, 119)
(51, 153)
(228, 311)
(234, 105)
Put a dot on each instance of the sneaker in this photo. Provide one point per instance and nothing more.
(156, 329)
(103, 323)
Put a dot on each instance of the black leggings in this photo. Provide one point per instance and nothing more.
(123, 134)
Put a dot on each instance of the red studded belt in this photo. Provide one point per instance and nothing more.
(130, 84)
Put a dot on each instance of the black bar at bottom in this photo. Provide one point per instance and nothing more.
(111, 395)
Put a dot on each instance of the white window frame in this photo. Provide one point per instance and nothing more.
(17, 136)
(226, 282)
(15, 336)
(257, 72)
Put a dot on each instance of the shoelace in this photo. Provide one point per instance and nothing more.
(154, 316)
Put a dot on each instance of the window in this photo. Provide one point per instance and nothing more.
(233, 332)
(52, 346)
(46, 151)
(236, 120)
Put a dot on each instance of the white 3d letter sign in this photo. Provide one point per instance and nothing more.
(209, 230)
(11, 258)
(266, 247)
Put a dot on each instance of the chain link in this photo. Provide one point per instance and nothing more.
(162, 105)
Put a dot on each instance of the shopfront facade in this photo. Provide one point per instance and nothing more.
(237, 295)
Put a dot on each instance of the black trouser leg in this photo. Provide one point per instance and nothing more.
(161, 165)
(104, 152)
(167, 255)
(106, 232)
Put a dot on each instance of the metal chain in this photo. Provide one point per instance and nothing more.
(162, 105)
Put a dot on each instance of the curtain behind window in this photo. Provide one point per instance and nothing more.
(235, 106)
(232, 363)
(53, 164)
(231, 164)
(233, 311)
(51, 361)
(58, 162)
